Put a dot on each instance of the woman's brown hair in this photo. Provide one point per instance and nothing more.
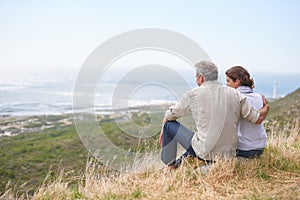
(240, 73)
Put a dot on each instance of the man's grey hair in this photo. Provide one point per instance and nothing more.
(208, 70)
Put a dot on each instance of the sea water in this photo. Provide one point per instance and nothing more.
(44, 93)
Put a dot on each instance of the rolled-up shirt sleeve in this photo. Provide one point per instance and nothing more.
(180, 109)
(247, 111)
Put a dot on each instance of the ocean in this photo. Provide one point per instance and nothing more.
(51, 93)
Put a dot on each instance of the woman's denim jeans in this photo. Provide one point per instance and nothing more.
(255, 153)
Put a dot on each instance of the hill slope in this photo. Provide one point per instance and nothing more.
(286, 109)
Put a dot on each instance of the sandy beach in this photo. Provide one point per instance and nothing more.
(15, 125)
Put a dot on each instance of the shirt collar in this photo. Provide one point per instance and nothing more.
(211, 82)
(245, 89)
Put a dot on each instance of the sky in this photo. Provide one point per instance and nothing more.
(262, 36)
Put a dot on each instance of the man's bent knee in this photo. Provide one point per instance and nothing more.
(171, 128)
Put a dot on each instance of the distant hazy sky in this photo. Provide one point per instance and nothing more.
(260, 35)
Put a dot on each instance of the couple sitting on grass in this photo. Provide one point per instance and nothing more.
(228, 118)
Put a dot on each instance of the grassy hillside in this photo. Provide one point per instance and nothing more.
(286, 109)
(275, 176)
(52, 164)
(28, 157)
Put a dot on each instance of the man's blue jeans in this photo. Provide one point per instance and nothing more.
(174, 133)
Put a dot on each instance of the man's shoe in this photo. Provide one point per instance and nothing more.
(175, 164)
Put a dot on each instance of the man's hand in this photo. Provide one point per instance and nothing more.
(263, 111)
(165, 120)
(265, 101)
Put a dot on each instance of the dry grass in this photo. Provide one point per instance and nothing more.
(276, 175)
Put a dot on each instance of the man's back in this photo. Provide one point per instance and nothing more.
(216, 111)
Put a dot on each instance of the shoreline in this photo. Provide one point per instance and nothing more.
(15, 125)
(12, 125)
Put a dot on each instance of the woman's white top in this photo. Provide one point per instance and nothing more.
(251, 136)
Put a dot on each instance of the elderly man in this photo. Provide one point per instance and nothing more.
(216, 110)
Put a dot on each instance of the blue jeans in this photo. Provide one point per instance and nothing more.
(174, 133)
(256, 153)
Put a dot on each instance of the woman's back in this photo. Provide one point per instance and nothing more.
(251, 136)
